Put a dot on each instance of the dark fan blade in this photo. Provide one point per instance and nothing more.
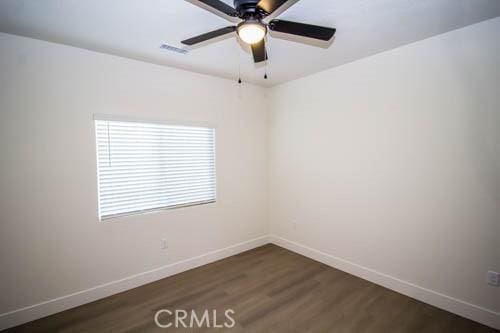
(208, 35)
(259, 51)
(270, 5)
(301, 29)
(220, 6)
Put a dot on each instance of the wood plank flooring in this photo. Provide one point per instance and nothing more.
(271, 290)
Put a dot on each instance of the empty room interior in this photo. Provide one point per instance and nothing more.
(250, 166)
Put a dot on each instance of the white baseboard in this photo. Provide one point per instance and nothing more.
(43, 309)
(451, 304)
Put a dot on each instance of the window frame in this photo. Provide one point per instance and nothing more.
(106, 117)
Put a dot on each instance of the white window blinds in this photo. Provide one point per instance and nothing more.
(149, 166)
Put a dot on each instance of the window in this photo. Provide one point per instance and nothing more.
(149, 166)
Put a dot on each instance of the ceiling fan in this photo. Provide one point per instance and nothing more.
(253, 27)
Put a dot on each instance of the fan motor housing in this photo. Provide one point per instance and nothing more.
(248, 8)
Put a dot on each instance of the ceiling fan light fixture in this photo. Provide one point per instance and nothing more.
(255, 22)
(251, 32)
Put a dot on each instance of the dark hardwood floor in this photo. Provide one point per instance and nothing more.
(271, 290)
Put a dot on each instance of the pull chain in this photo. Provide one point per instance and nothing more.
(267, 58)
(239, 66)
(265, 72)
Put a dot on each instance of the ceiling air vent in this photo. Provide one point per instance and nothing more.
(173, 49)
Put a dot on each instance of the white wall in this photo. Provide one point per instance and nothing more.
(52, 243)
(393, 163)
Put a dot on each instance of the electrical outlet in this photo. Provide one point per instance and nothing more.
(164, 245)
(493, 278)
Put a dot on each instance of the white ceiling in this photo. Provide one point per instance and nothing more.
(136, 28)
